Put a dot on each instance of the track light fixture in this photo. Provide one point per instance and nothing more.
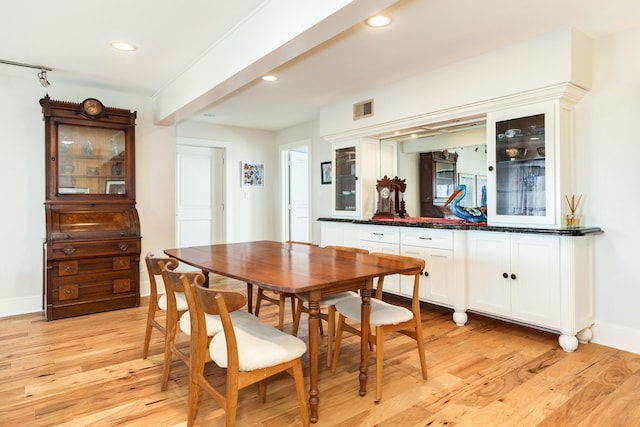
(42, 75)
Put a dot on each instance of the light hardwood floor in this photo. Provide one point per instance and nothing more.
(88, 371)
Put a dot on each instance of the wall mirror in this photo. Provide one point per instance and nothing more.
(400, 155)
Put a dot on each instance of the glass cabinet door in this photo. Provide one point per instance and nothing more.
(91, 160)
(520, 168)
(445, 180)
(345, 177)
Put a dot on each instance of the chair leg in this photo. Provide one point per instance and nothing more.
(281, 303)
(194, 392)
(298, 377)
(262, 390)
(231, 404)
(153, 306)
(423, 357)
(293, 306)
(336, 350)
(379, 361)
(296, 317)
(258, 301)
(169, 338)
(331, 332)
(250, 297)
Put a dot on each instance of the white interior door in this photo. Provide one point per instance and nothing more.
(199, 198)
(298, 204)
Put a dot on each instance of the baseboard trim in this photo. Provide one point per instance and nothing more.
(616, 336)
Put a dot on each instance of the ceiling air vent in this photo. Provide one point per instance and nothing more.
(363, 109)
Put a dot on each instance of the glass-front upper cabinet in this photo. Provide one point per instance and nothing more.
(345, 189)
(521, 168)
(90, 151)
(354, 175)
(91, 160)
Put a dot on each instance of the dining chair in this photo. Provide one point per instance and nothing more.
(328, 301)
(248, 349)
(384, 317)
(157, 301)
(179, 320)
(277, 298)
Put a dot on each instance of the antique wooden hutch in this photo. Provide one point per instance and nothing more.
(92, 247)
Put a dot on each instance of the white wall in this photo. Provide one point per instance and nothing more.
(252, 212)
(608, 150)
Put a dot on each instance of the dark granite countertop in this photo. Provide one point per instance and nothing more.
(456, 224)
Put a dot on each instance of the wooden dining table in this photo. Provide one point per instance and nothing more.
(300, 269)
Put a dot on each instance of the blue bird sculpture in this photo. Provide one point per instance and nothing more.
(463, 212)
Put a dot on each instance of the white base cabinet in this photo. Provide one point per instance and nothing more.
(436, 248)
(516, 276)
(543, 280)
(375, 238)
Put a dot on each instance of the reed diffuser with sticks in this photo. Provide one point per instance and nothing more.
(572, 218)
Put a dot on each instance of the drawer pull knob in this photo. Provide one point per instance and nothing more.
(68, 269)
(121, 263)
(426, 274)
(69, 250)
(123, 246)
(505, 275)
(67, 291)
(513, 276)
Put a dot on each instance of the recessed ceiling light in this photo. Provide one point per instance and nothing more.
(123, 46)
(378, 21)
(269, 78)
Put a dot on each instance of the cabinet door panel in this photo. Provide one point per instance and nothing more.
(391, 283)
(535, 293)
(488, 263)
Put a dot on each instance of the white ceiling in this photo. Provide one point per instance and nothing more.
(73, 36)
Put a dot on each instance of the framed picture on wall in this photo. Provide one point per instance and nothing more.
(481, 190)
(325, 170)
(252, 174)
(469, 180)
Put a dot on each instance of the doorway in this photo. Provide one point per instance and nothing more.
(200, 196)
(296, 192)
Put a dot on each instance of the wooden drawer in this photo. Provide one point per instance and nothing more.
(67, 268)
(380, 234)
(90, 288)
(427, 238)
(87, 266)
(62, 250)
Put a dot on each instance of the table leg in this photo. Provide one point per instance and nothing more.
(314, 326)
(364, 336)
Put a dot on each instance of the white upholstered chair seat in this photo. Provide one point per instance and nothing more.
(214, 325)
(259, 345)
(382, 313)
(330, 299)
(181, 302)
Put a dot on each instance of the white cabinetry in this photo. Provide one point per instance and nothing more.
(354, 175)
(531, 162)
(436, 248)
(541, 279)
(515, 276)
(376, 238)
(339, 233)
